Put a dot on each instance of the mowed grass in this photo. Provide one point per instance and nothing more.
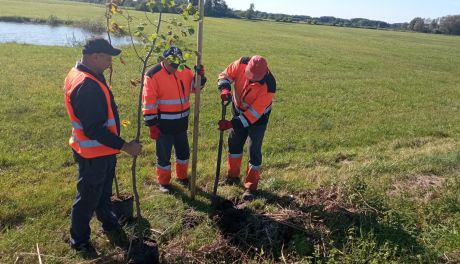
(375, 113)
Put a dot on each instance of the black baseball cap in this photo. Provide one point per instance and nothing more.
(174, 52)
(99, 45)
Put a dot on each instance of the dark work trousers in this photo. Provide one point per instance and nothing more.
(238, 137)
(164, 147)
(94, 189)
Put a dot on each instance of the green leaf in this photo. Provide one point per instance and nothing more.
(150, 6)
(185, 15)
(113, 8)
(152, 37)
(137, 33)
(196, 16)
(187, 55)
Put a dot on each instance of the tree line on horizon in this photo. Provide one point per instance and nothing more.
(218, 8)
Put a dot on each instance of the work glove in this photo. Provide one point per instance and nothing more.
(224, 125)
(154, 132)
(225, 95)
(224, 84)
(200, 70)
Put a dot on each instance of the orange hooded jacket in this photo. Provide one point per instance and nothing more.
(252, 101)
(166, 98)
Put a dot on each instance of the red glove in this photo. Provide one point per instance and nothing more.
(154, 132)
(224, 125)
(225, 95)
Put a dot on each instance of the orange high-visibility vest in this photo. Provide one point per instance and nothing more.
(79, 142)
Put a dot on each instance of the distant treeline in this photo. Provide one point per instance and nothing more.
(218, 8)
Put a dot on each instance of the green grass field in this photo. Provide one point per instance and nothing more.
(364, 138)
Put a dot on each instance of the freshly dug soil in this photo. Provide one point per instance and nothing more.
(122, 197)
(303, 224)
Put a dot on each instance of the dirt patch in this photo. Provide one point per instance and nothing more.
(190, 219)
(121, 197)
(11, 222)
(418, 187)
(330, 199)
(451, 258)
(305, 224)
(344, 158)
(221, 251)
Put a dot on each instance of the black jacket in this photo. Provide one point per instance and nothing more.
(89, 105)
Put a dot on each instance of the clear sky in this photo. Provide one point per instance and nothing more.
(391, 11)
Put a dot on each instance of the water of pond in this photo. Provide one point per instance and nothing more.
(40, 34)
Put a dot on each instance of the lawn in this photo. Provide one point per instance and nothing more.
(361, 156)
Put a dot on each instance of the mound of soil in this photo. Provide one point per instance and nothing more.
(121, 197)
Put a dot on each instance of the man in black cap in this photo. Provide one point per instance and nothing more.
(95, 141)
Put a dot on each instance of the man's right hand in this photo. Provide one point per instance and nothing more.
(133, 148)
(154, 132)
(224, 125)
(225, 95)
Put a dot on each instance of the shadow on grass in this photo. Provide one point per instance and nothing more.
(335, 222)
(13, 219)
(139, 227)
(11, 222)
(299, 228)
(142, 249)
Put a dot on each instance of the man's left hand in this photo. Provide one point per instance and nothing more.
(200, 70)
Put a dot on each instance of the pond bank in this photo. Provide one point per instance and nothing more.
(50, 35)
(93, 26)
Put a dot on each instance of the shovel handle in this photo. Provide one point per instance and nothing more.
(219, 150)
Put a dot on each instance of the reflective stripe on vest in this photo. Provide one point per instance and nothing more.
(86, 143)
(251, 109)
(150, 117)
(166, 116)
(172, 101)
(84, 146)
(111, 122)
(150, 106)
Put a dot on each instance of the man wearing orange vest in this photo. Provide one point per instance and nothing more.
(254, 88)
(166, 109)
(95, 141)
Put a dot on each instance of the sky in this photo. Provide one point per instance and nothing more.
(392, 11)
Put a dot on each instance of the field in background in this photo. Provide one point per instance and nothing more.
(369, 117)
